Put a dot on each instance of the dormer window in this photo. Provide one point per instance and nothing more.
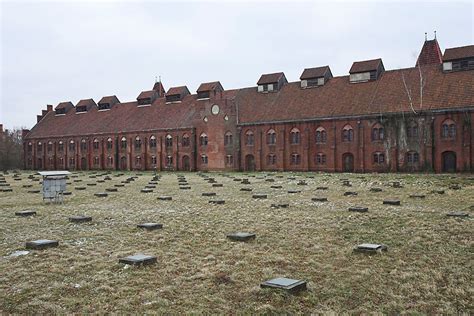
(104, 106)
(363, 71)
(315, 77)
(81, 109)
(144, 101)
(85, 105)
(176, 94)
(205, 89)
(173, 98)
(458, 59)
(106, 103)
(203, 95)
(271, 82)
(147, 97)
(60, 111)
(63, 107)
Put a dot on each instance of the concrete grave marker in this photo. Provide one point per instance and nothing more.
(146, 190)
(370, 248)
(290, 285)
(209, 194)
(165, 198)
(319, 199)
(375, 190)
(41, 244)
(111, 189)
(80, 219)
(276, 187)
(80, 188)
(217, 185)
(150, 226)
(350, 193)
(358, 209)
(259, 196)
(241, 236)
(391, 202)
(101, 194)
(217, 202)
(321, 188)
(25, 213)
(417, 196)
(138, 259)
(246, 189)
(457, 214)
(281, 205)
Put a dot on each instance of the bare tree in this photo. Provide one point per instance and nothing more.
(11, 149)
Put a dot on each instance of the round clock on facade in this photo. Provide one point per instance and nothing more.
(215, 109)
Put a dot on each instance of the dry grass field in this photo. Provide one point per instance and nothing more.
(428, 267)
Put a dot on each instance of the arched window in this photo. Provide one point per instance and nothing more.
(271, 159)
(39, 146)
(347, 133)
(321, 135)
(123, 143)
(72, 146)
(30, 147)
(83, 145)
(95, 144)
(138, 143)
(169, 161)
(50, 146)
(96, 161)
(203, 139)
(72, 162)
(412, 130)
(204, 159)
(379, 158)
(249, 139)
(448, 129)
(60, 146)
(185, 140)
(295, 136)
(229, 160)
(109, 143)
(228, 141)
(110, 160)
(320, 159)
(50, 162)
(271, 137)
(61, 162)
(169, 141)
(295, 159)
(138, 161)
(378, 132)
(153, 142)
(413, 158)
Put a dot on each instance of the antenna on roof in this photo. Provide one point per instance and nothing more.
(426, 36)
(435, 34)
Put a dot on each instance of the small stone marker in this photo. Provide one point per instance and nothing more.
(358, 209)
(321, 188)
(209, 194)
(119, 185)
(241, 236)
(346, 183)
(33, 191)
(302, 182)
(101, 194)
(100, 181)
(391, 202)
(25, 213)
(259, 196)
(67, 193)
(281, 205)
(289, 285)
(217, 185)
(276, 186)
(294, 191)
(150, 186)
(146, 190)
(438, 191)
(80, 188)
(185, 188)
(150, 226)
(138, 259)
(417, 196)
(319, 199)
(455, 187)
(246, 189)
(270, 180)
(27, 185)
(375, 190)
(457, 214)
(80, 219)
(370, 248)
(91, 184)
(111, 189)
(7, 190)
(217, 202)
(41, 244)
(350, 193)
(165, 198)
(396, 184)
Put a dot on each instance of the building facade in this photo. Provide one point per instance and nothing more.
(372, 120)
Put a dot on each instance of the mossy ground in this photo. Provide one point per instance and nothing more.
(428, 267)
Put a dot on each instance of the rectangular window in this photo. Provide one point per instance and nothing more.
(104, 106)
(173, 98)
(203, 95)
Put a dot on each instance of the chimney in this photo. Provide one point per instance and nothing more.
(49, 108)
(44, 112)
(38, 118)
(1, 128)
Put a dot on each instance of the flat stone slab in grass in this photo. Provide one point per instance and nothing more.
(276, 187)
(217, 202)
(241, 236)
(153, 182)
(25, 213)
(41, 244)
(457, 214)
(294, 191)
(91, 184)
(455, 187)
(165, 198)
(27, 185)
(4, 184)
(350, 193)
(77, 180)
(209, 194)
(358, 209)
(259, 196)
(321, 188)
(375, 190)
(370, 248)
(281, 205)
(417, 196)
(146, 190)
(246, 189)
(100, 181)
(80, 219)
(138, 259)
(286, 284)
(119, 185)
(397, 185)
(150, 226)
(67, 193)
(391, 202)
(80, 188)
(7, 190)
(302, 183)
(185, 188)
(270, 180)
(319, 199)
(101, 194)
(150, 186)
(438, 191)
(33, 191)
(217, 185)
(111, 189)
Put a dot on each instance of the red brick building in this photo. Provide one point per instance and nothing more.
(372, 120)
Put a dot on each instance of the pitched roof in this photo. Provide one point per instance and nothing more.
(458, 53)
(339, 97)
(210, 86)
(64, 105)
(270, 78)
(112, 99)
(430, 53)
(316, 72)
(151, 94)
(181, 90)
(365, 66)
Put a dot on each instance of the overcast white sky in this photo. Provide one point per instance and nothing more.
(66, 51)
